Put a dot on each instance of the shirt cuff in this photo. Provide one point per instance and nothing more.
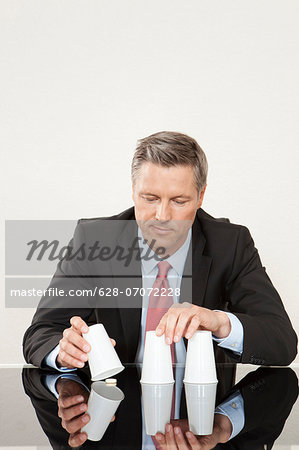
(233, 408)
(50, 360)
(234, 341)
(51, 381)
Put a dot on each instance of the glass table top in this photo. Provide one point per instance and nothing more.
(41, 410)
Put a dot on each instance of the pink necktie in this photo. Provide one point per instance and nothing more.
(160, 301)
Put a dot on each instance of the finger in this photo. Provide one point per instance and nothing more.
(193, 326)
(72, 336)
(161, 439)
(171, 325)
(113, 419)
(72, 350)
(67, 360)
(74, 411)
(193, 442)
(182, 322)
(78, 324)
(66, 402)
(169, 435)
(161, 325)
(74, 425)
(179, 439)
(77, 439)
(113, 341)
(182, 423)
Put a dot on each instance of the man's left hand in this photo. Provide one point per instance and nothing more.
(183, 319)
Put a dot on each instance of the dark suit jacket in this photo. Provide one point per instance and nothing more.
(269, 395)
(227, 274)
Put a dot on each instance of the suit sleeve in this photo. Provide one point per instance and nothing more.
(269, 338)
(54, 312)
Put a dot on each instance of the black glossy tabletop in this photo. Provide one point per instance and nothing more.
(31, 415)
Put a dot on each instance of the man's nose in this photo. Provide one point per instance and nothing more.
(163, 212)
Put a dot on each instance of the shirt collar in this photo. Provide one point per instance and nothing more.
(177, 260)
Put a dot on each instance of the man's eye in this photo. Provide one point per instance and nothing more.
(150, 199)
(179, 202)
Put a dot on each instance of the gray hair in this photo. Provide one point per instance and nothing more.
(169, 148)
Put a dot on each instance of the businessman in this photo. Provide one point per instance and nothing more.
(230, 295)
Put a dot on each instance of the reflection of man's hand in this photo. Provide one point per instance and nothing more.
(177, 438)
(183, 319)
(72, 405)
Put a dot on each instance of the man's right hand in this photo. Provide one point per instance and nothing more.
(176, 436)
(73, 348)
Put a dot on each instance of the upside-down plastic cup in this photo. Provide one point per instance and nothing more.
(157, 364)
(102, 405)
(157, 401)
(200, 400)
(200, 360)
(102, 358)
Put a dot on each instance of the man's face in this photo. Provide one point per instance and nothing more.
(166, 201)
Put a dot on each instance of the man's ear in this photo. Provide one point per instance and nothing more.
(201, 196)
(133, 192)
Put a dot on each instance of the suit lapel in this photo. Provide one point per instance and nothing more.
(196, 270)
(200, 264)
(129, 277)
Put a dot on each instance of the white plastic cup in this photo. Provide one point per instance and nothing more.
(200, 399)
(157, 401)
(157, 364)
(200, 360)
(102, 358)
(103, 402)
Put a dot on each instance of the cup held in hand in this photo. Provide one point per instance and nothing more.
(200, 360)
(157, 364)
(103, 359)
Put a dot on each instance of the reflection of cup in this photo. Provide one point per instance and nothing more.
(200, 399)
(157, 400)
(102, 405)
(200, 361)
(102, 358)
(157, 364)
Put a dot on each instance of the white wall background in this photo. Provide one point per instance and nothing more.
(81, 81)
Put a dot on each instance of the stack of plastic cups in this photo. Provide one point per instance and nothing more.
(157, 383)
(200, 383)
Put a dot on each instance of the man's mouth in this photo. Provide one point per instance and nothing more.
(161, 230)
